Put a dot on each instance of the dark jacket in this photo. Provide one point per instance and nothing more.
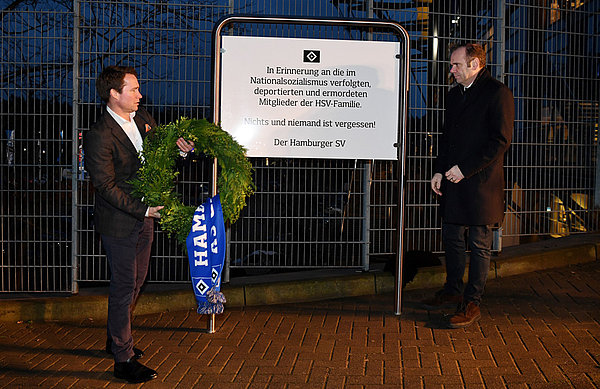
(477, 132)
(112, 162)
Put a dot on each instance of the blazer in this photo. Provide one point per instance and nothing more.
(112, 162)
(477, 132)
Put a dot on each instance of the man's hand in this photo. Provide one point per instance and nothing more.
(436, 183)
(154, 211)
(184, 145)
(454, 175)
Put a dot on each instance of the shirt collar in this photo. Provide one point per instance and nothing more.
(476, 78)
(470, 85)
(118, 118)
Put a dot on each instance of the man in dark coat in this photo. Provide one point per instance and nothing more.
(124, 222)
(469, 177)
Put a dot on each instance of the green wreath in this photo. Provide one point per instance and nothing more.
(156, 178)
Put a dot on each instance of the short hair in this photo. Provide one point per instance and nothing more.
(112, 78)
(473, 50)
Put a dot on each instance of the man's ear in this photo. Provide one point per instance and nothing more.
(114, 94)
(475, 63)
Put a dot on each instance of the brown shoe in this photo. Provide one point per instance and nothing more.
(465, 316)
(442, 300)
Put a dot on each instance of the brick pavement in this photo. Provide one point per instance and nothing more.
(538, 330)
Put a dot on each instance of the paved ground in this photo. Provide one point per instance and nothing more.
(538, 330)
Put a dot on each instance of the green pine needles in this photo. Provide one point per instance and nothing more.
(156, 179)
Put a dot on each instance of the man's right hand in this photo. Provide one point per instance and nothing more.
(436, 183)
(154, 211)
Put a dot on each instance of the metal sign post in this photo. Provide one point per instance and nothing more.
(307, 120)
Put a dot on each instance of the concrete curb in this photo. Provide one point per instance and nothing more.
(546, 260)
(509, 265)
(79, 307)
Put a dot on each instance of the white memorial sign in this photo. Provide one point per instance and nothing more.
(311, 98)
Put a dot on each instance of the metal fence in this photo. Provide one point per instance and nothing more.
(305, 213)
(35, 115)
(553, 68)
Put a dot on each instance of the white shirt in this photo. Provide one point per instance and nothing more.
(130, 128)
(471, 84)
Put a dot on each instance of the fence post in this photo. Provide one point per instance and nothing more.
(500, 33)
(597, 173)
(366, 214)
(367, 185)
(75, 153)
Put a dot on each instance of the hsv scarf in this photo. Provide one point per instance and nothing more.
(206, 254)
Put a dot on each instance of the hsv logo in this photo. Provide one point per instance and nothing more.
(202, 287)
(313, 56)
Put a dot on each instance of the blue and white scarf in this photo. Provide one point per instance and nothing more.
(206, 254)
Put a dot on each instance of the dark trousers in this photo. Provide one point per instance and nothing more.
(128, 258)
(479, 242)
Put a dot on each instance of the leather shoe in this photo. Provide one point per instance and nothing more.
(137, 353)
(134, 372)
(465, 315)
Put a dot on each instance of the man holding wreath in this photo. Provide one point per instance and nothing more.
(126, 225)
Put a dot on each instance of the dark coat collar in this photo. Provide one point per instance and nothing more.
(482, 75)
(471, 94)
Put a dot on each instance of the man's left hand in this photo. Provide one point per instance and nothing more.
(184, 145)
(454, 175)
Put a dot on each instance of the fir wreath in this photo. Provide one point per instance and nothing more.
(156, 178)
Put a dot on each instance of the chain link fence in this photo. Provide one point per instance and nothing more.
(305, 213)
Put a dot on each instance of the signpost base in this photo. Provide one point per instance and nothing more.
(211, 324)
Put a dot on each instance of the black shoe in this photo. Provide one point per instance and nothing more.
(134, 372)
(137, 353)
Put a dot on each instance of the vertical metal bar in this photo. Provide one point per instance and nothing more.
(226, 269)
(75, 153)
(366, 206)
(365, 245)
(210, 327)
(500, 38)
(597, 175)
(404, 68)
(227, 266)
(211, 317)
